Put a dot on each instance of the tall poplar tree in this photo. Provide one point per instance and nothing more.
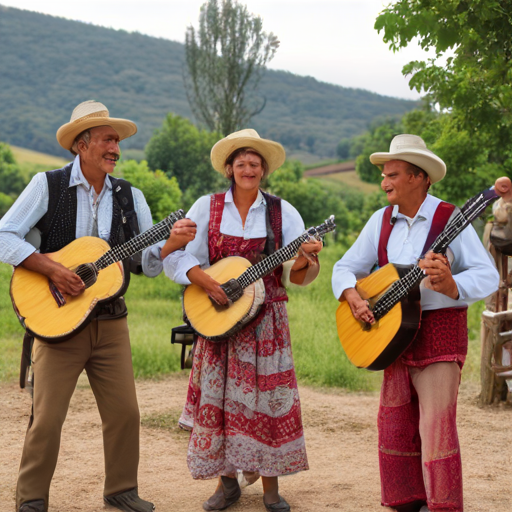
(225, 60)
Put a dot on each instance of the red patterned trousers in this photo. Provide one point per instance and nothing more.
(419, 453)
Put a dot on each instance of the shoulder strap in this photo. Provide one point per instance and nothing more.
(122, 193)
(216, 209)
(441, 217)
(274, 223)
(385, 232)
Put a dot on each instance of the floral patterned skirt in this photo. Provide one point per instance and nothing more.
(243, 402)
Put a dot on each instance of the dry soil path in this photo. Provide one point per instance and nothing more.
(341, 440)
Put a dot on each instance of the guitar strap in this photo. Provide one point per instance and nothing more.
(441, 216)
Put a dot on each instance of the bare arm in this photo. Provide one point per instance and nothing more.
(209, 285)
(306, 266)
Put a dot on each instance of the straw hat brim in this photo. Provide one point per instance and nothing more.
(271, 151)
(68, 132)
(426, 160)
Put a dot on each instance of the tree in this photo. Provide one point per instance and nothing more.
(472, 89)
(11, 180)
(163, 194)
(225, 61)
(182, 151)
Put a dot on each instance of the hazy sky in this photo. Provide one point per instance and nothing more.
(331, 40)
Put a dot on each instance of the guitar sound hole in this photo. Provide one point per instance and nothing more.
(218, 307)
(87, 273)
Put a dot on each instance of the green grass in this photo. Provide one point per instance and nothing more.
(352, 180)
(155, 307)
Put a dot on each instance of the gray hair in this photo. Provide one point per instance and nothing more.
(85, 136)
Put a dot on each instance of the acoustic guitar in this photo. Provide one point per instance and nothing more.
(394, 297)
(49, 315)
(243, 286)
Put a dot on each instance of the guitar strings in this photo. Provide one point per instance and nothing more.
(400, 288)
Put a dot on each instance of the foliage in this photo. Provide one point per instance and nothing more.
(140, 78)
(11, 181)
(162, 194)
(472, 89)
(182, 151)
(313, 198)
(225, 60)
(377, 139)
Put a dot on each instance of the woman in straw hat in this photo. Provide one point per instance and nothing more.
(243, 405)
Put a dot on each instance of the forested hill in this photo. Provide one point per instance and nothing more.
(48, 65)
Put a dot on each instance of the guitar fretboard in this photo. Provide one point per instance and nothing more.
(468, 213)
(153, 235)
(286, 253)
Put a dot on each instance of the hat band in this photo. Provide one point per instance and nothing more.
(103, 113)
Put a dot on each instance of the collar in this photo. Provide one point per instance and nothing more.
(228, 198)
(77, 177)
(425, 212)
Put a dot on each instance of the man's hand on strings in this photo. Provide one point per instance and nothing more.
(439, 275)
(360, 308)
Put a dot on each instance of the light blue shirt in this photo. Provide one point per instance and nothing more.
(177, 264)
(91, 218)
(472, 268)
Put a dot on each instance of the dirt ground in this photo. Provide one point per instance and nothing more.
(341, 439)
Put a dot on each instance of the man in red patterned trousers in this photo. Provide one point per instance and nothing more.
(419, 455)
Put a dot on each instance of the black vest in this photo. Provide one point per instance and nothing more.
(58, 225)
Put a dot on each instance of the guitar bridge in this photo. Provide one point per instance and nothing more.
(232, 289)
(59, 298)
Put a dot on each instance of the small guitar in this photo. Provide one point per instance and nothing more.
(45, 313)
(394, 297)
(243, 286)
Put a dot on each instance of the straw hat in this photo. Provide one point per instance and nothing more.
(90, 114)
(271, 151)
(412, 149)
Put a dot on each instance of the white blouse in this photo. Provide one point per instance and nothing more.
(178, 263)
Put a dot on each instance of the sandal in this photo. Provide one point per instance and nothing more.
(224, 497)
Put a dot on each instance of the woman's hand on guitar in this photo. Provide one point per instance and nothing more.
(360, 308)
(208, 284)
(439, 275)
(308, 254)
(183, 232)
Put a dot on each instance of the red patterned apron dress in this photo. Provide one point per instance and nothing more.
(242, 398)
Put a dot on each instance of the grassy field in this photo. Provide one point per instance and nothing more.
(351, 179)
(155, 308)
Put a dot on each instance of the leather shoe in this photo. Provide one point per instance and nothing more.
(224, 497)
(129, 501)
(33, 506)
(280, 506)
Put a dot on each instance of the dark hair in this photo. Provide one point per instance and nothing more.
(414, 169)
(241, 152)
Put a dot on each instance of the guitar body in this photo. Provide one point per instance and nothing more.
(216, 322)
(380, 345)
(36, 307)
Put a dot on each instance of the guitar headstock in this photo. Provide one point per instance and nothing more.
(319, 231)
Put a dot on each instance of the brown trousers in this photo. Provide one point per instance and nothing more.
(103, 350)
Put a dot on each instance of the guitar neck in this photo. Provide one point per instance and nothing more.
(138, 243)
(271, 262)
(467, 214)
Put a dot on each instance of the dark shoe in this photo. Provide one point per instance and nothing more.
(280, 506)
(225, 497)
(128, 501)
(33, 506)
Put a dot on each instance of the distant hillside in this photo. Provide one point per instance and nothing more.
(48, 65)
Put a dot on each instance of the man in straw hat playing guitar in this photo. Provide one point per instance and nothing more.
(419, 456)
(81, 200)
